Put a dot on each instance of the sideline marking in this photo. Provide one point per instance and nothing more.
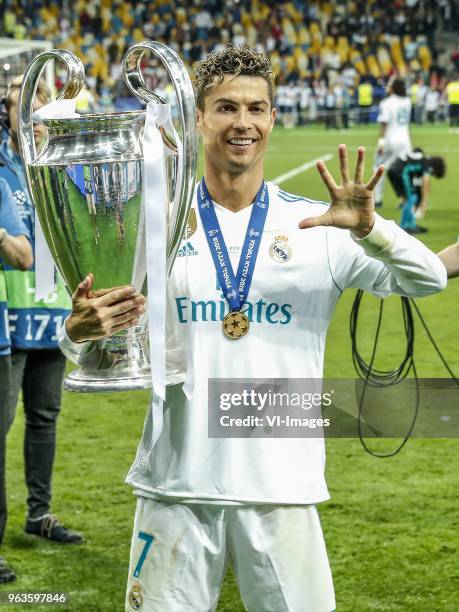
(299, 169)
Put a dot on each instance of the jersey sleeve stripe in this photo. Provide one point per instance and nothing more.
(290, 198)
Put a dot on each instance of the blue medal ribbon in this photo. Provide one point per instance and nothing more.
(235, 287)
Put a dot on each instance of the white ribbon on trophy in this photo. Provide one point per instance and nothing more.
(154, 195)
(44, 264)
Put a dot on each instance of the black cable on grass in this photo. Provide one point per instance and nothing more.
(435, 345)
(386, 378)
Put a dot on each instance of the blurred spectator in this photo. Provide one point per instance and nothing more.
(291, 104)
(345, 107)
(394, 137)
(15, 251)
(304, 101)
(330, 108)
(286, 100)
(316, 41)
(432, 102)
(452, 93)
(85, 101)
(364, 100)
(418, 99)
(37, 364)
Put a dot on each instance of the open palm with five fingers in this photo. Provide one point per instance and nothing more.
(352, 202)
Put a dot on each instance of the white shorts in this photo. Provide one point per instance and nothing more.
(390, 153)
(180, 552)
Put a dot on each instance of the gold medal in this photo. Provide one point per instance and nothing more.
(235, 325)
(191, 225)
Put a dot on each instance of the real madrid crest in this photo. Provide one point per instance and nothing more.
(280, 250)
(191, 224)
(135, 596)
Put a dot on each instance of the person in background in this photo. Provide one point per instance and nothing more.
(16, 251)
(306, 101)
(330, 108)
(345, 108)
(364, 100)
(452, 95)
(281, 101)
(394, 137)
(37, 365)
(410, 177)
(290, 105)
(450, 257)
(420, 101)
(432, 103)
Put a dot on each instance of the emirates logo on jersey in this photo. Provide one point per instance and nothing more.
(216, 310)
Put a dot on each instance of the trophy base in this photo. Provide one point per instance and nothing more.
(87, 381)
(122, 363)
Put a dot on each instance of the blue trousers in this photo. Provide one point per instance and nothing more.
(408, 220)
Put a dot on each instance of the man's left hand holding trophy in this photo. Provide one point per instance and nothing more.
(101, 313)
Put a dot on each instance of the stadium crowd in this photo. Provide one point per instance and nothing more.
(328, 57)
(332, 61)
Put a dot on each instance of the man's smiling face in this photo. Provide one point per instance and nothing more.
(236, 123)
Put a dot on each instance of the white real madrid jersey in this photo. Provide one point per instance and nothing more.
(395, 112)
(291, 301)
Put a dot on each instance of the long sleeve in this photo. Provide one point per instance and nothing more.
(80, 353)
(387, 260)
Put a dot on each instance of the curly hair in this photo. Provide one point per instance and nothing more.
(237, 61)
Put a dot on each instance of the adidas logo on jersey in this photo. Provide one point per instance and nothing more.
(187, 250)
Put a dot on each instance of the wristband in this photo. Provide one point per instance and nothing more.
(381, 142)
(3, 235)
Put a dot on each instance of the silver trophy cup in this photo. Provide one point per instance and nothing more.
(86, 185)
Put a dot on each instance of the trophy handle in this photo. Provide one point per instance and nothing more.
(75, 81)
(185, 95)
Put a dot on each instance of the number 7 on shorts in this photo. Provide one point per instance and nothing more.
(148, 539)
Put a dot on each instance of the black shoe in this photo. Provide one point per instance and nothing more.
(49, 527)
(6, 573)
(416, 230)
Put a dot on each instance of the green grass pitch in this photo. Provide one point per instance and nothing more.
(391, 526)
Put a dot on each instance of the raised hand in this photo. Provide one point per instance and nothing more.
(352, 203)
(101, 313)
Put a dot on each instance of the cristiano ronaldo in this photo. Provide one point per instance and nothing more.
(203, 502)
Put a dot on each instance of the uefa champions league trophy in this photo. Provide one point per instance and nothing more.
(86, 185)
